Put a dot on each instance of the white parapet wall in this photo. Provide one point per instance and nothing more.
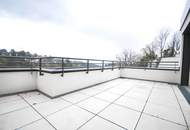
(169, 76)
(55, 85)
(14, 82)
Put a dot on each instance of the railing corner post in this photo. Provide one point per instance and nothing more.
(112, 65)
(40, 66)
(62, 66)
(119, 65)
(102, 65)
(87, 66)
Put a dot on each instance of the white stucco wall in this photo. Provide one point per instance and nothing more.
(12, 82)
(54, 84)
(156, 75)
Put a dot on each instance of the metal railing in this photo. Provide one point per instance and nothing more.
(65, 64)
(165, 65)
(55, 64)
(7, 62)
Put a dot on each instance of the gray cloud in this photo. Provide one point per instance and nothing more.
(48, 10)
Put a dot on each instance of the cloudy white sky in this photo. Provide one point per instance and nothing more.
(85, 28)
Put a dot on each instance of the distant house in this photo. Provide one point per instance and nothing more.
(166, 63)
(170, 62)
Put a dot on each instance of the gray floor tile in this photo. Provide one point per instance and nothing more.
(30, 94)
(90, 91)
(131, 103)
(93, 105)
(152, 123)
(116, 90)
(38, 125)
(98, 123)
(137, 95)
(9, 98)
(122, 116)
(167, 113)
(110, 97)
(17, 119)
(75, 97)
(33, 100)
(51, 106)
(70, 118)
(12, 106)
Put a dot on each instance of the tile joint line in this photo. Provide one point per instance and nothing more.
(181, 109)
(38, 112)
(104, 109)
(144, 106)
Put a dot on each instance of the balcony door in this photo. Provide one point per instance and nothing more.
(186, 58)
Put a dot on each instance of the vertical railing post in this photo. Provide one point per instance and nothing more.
(119, 65)
(40, 65)
(62, 66)
(102, 65)
(31, 64)
(87, 66)
(112, 65)
(175, 66)
(157, 64)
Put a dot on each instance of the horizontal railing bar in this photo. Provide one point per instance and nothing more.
(79, 63)
(67, 63)
(78, 59)
(152, 62)
(55, 57)
(82, 59)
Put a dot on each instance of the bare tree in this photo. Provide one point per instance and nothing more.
(161, 40)
(119, 58)
(175, 43)
(149, 52)
(128, 57)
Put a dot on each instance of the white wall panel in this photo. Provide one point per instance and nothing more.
(54, 84)
(12, 82)
(156, 75)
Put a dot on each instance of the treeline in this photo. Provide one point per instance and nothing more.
(46, 62)
(12, 52)
(165, 44)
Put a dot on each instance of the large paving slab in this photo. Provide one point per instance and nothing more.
(115, 105)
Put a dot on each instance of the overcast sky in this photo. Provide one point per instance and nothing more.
(85, 28)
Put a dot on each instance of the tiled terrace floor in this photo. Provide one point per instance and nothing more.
(115, 105)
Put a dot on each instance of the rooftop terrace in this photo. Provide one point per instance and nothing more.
(114, 105)
(60, 93)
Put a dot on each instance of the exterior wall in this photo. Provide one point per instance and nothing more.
(181, 57)
(185, 52)
(185, 21)
(185, 17)
(189, 79)
(54, 85)
(156, 75)
(13, 82)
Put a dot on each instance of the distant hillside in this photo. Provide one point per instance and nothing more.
(12, 52)
(47, 62)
